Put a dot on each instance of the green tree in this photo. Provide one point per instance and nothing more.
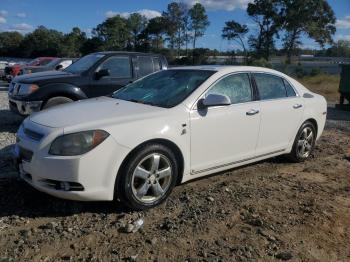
(341, 48)
(266, 15)
(91, 45)
(136, 24)
(155, 30)
(173, 19)
(199, 22)
(186, 26)
(42, 42)
(9, 43)
(235, 31)
(114, 33)
(314, 18)
(72, 43)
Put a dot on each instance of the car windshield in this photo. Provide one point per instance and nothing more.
(83, 64)
(166, 88)
(33, 62)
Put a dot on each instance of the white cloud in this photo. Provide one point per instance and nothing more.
(227, 5)
(22, 28)
(21, 15)
(149, 14)
(342, 37)
(3, 13)
(343, 23)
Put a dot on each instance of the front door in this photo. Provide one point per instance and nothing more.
(224, 135)
(120, 74)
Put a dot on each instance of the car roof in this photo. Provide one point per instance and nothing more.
(228, 69)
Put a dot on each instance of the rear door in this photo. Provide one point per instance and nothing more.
(146, 65)
(281, 113)
(120, 75)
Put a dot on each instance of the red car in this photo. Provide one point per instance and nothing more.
(12, 71)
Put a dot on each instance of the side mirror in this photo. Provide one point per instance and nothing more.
(213, 100)
(101, 73)
(59, 67)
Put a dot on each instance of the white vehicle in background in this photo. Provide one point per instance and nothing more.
(166, 128)
(3, 64)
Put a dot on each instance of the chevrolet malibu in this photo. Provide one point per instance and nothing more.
(167, 128)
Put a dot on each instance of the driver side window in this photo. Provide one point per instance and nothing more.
(236, 87)
(119, 67)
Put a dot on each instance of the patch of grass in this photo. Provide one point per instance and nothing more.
(323, 84)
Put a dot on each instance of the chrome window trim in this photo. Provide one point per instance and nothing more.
(194, 106)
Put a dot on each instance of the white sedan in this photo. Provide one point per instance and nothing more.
(167, 128)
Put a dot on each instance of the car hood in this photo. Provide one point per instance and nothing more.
(44, 76)
(32, 67)
(95, 112)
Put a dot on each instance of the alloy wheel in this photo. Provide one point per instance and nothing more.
(305, 142)
(151, 178)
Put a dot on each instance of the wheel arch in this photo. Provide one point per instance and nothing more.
(52, 90)
(314, 122)
(171, 145)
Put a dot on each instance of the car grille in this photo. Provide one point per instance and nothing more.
(33, 134)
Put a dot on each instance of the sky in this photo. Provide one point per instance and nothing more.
(25, 15)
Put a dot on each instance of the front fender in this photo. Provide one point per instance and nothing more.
(57, 89)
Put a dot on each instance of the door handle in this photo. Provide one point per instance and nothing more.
(296, 106)
(252, 112)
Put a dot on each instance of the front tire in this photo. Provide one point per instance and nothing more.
(304, 143)
(148, 177)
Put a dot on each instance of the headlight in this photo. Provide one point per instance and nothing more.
(26, 89)
(77, 143)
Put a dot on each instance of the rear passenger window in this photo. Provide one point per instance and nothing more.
(156, 64)
(270, 87)
(236, 87)
(119, 67)
(289, 88)
(145, 65)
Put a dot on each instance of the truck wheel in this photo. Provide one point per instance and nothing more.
(55, 101)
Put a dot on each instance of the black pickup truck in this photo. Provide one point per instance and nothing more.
(93, 75)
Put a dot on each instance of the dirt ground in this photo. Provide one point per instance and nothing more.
(270, 211)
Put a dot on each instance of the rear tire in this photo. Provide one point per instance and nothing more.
(148, 177)
(55, 101)
(304, 143)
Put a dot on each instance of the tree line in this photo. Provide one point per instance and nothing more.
(176, 32)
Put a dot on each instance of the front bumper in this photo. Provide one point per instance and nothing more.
(88, 177)
(24, 107)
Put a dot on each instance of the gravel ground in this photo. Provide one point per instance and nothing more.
(270, 211)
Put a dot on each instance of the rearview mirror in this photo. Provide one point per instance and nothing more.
(213, 100)
(101, 73)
